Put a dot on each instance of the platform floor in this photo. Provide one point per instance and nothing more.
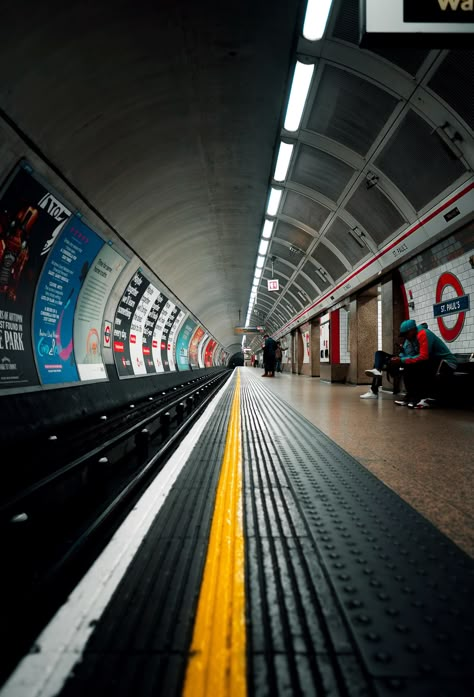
(427, 456)
(274, 564)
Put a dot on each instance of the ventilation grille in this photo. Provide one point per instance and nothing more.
(375, 213)
(340, 235)
(341, 108)
(329, 261)
(305, 210)
(310, 290)
(419, 162)
(311, 271)
(455, 84)
(295, 236)
(321, 172)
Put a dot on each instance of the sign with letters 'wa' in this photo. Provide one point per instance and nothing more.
(417, 23)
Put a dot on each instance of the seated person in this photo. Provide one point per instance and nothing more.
(419, 370)
(382, 361)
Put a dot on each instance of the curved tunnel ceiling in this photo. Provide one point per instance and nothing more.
(383, 136)
(165, 115)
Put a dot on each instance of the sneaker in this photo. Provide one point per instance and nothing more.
(373, 373)
(369, 395)
(401, 402)
(426, 403)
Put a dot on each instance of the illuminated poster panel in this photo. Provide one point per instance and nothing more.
(201, 350)
(173, 338)
(149, 343)
(137, 329)
(90, 309)
(158, 343)
(194, 347)
(182, 344)
(59, 286)
(123, 334)
(165, 340)
(209, 353)
(31, 218)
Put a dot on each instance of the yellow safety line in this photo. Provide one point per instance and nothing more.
(217, 661)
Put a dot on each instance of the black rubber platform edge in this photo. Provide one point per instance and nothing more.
(350, 592)
(141, 643)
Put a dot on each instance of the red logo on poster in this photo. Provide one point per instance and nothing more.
(107, 334)
(118, 347)
(133, 339)
(447, 280)
(154, 343)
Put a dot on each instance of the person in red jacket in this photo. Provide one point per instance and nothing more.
(419, 370)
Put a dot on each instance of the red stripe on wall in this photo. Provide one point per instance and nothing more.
(335, 337)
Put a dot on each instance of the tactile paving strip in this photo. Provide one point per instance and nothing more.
(349, 590)
(141, 642)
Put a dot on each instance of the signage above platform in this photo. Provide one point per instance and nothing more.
(417, 23)
(273, 284)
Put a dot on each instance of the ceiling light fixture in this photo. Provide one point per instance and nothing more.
(263, 247)
(273, 203)
(260, 262)
(283, 161)
(317, 13)
(298, 95)
(258, 273)
(267, 229)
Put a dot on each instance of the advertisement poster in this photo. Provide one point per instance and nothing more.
(158, 335)
(90, 308)
(182, 344)
(209, 353)
(172, 340)
(123, 323)
(148, 342)
(306, 346)
(201, 350)
(58, 289)
(194, 346)
(31, 218)
(137, 329)
(165, 340)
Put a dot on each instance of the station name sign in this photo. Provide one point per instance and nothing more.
(416, 23)
(451, 307)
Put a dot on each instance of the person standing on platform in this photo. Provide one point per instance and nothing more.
(269, 349)
(278, 357)
(419, 370)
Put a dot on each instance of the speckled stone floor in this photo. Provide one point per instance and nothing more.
(427, 456)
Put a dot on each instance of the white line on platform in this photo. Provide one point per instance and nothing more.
(61, 644)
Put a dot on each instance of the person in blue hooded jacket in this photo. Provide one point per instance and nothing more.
(419, 370)
(382, 360)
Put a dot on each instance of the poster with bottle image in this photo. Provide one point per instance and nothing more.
(31, 219)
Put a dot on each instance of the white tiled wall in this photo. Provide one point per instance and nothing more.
(423, 289)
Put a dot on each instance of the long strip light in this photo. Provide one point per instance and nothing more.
(273, 204)
(283, 161)
(316, 18)
(263, 247)
(260, 262)
(298, 94)
(267, 229)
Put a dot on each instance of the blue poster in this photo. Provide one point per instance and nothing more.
(182, 344)
(57, 292)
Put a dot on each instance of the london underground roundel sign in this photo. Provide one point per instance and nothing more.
(454, 305)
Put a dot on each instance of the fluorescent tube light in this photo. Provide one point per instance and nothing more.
(263, 247)
(317, 13)
(260, 262)
(267, 229)
(298, 95)
(258, 273)
(272, 208)
(283, 161)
